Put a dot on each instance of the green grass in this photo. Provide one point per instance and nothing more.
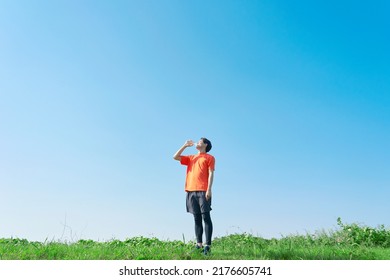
(350, 242)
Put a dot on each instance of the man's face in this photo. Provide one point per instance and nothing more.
(200, 145)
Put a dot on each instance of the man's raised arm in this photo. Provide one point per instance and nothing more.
(177, 155)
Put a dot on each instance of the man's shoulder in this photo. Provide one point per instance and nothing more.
(209, 156)
(204, 155)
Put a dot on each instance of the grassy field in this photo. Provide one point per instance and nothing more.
(350, 241)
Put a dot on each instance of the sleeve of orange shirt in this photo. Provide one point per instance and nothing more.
(185, 160)
(212, 163)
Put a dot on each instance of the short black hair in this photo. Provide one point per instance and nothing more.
(207, 141)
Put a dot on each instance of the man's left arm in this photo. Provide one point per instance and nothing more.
(210, 185)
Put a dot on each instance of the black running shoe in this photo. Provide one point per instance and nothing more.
(197, 248)
(206, 250)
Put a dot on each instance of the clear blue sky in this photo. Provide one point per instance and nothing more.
(97, 96)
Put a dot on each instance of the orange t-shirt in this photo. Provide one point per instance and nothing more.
(198, 167)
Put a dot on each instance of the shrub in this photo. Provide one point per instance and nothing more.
(354, 234)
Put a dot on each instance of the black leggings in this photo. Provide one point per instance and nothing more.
(208, 226)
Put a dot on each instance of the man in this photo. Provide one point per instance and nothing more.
(199, 181)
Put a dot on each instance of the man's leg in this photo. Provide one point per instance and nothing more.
(208, 226)
(198, 229)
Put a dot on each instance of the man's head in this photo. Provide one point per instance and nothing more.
(204, 143)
